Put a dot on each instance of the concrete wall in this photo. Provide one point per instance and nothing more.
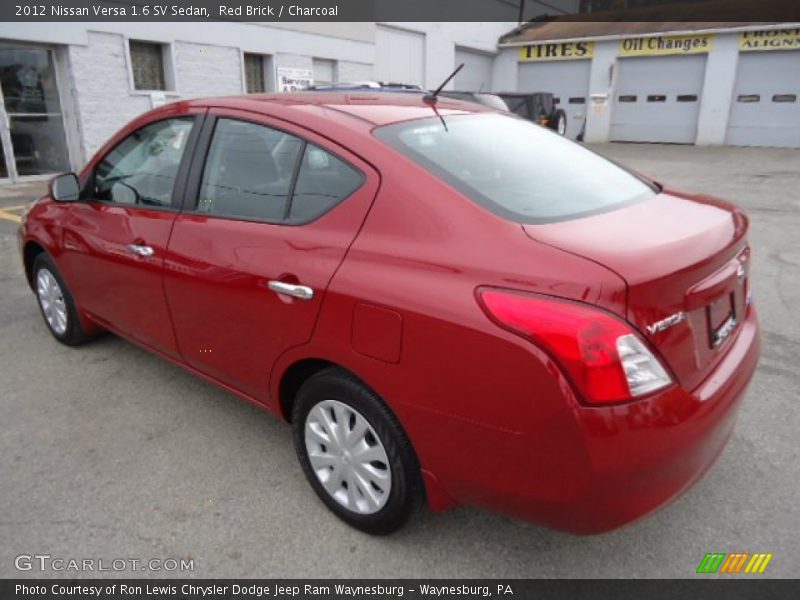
(715, 103)
(102, 94)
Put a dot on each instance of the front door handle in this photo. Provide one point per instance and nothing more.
(141, 250)
(303, 292)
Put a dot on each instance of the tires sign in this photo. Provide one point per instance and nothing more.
(556, 51)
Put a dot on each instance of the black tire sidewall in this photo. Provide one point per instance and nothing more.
(334, 384)
(74, 334)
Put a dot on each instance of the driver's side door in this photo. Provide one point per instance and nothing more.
(116, 235)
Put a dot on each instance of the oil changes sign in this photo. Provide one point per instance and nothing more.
(774, 39)
(665, 44)
(556, 51)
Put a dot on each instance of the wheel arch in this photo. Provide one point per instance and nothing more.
(30, 251)
(294, 376)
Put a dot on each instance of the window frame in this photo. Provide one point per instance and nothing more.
(262, 67)
(167, 63)
(191, 196)
(178, 190)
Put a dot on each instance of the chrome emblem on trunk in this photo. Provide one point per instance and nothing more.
(663, 324)
(725, 330)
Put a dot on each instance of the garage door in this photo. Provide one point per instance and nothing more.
(324, 72)
(765, 109)
(567, 80)
(476, 76)
(657, 99)
(400, 56)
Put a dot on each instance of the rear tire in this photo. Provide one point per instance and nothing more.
(559, 122)
(56, 303)
(354, 453)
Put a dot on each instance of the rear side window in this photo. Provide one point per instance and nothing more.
(254, 172)
(322, 182)
(248, 171)
(515, 169)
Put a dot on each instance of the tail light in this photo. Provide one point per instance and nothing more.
(606, 359)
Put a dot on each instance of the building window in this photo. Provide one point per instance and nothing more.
(324, 71)
(254, 73)
(147, 64)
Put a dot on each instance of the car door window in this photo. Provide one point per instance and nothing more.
(142, 168)
(322, 182)
(249, 171)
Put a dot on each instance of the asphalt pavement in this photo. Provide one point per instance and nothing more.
(108, 452)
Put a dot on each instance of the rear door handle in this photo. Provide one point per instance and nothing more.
(141, 250)
(303, 292)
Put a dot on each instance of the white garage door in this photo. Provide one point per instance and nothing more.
(765, 109)
(657, 99)
(400, 56)
(324, 71)
(476, 76)
(567, 80)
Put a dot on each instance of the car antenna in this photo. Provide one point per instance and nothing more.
(432, 98)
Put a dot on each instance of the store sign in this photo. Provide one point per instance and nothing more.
(293, 80)
(556, 51)
(665, 44)
(775, 39)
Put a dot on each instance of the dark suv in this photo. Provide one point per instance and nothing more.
(539, 107)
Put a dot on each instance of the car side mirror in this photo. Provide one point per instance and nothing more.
(65, 188)
(122, 193)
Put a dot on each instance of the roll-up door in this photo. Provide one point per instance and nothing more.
(476, 76)
(400, 56)
(765, 108)
(657, 99)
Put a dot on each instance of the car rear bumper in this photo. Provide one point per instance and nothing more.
(645, 454)
(613, 465)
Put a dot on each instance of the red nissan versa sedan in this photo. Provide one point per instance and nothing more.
(445, 301)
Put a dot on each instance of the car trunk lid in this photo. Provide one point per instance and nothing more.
(685, 262)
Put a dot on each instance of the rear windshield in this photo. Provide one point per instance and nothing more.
(517, 170)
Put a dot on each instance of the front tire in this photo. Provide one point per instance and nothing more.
(354, 453)
(56, 303)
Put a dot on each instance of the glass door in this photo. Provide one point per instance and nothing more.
(31, 123)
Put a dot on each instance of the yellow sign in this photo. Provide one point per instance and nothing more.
(556, 51)
(774, 39)
(666, 44)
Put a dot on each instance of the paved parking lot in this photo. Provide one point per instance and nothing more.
(109, 452)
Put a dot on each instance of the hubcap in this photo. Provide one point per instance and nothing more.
(52, 300)
(562, 126)
(347, 457)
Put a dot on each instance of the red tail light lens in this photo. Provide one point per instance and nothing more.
(604, 357)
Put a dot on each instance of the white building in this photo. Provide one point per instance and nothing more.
(687, 83)
(67, 87)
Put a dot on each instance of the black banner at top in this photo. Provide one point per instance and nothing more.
(720, 12)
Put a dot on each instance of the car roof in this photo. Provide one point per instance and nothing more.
(373, 108)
